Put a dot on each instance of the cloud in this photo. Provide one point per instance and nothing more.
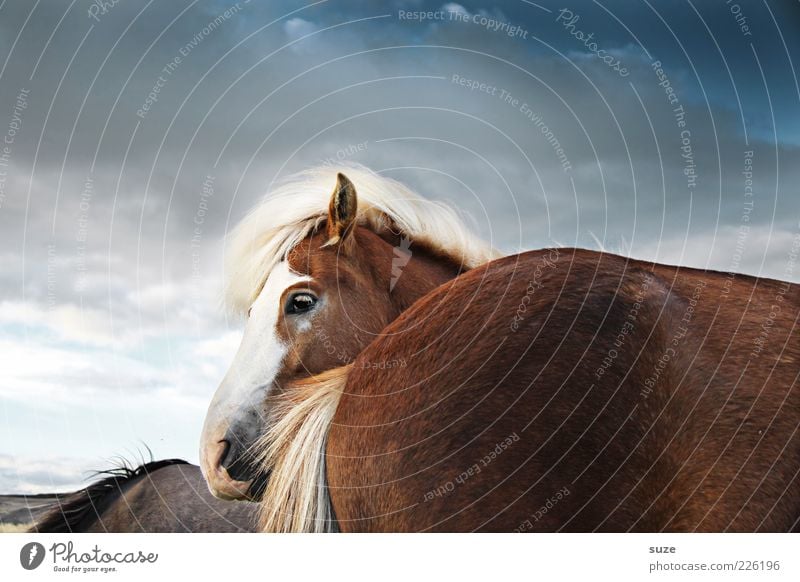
(25, 475)
(732, 249)
(40, 371)
(55, 375)
(455, 8)
(296, 29)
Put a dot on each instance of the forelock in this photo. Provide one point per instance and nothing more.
(299, 206)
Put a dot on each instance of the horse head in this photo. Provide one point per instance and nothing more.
(319, 276)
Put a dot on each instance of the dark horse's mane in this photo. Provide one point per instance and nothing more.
(72, 509)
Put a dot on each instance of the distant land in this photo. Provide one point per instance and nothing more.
(18, 512)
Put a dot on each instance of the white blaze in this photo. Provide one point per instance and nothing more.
(256, 364)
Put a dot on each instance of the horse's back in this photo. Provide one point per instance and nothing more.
(573, 390)
(174, 499)
(161, 497)
(733, 405)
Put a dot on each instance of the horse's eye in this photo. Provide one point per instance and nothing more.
(300, 303)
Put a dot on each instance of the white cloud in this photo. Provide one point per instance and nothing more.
(222, 348)
(456, 8)
(296, 29)
(33, 371)
(124, 320)
(36, 370)
(758, 252)
(45, 475)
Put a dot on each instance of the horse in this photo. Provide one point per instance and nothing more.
(318, 275)
(156, 497)
(578, 391)
(630, 385)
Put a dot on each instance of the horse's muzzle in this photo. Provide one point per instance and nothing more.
(225, 474)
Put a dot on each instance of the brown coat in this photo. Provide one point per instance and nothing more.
(570, 390)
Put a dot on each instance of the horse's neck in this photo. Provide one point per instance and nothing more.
(403, 268)
(416, 271)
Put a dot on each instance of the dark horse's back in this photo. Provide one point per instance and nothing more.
(157, 497)
(569, 390)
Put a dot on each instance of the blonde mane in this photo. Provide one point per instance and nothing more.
(293, 449)
(298, 206)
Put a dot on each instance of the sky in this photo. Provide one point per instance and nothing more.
(135, 136)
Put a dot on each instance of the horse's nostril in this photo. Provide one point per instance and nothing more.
(223, 456)
(234, 461)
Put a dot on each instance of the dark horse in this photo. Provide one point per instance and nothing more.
(156, 497)
(557, 390)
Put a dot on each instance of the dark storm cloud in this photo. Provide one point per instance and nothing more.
(130, 111)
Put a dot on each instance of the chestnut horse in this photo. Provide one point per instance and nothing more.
(554, 390)
(570, 390)
(319, 276)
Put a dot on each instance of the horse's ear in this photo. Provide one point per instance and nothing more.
(341, 211)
